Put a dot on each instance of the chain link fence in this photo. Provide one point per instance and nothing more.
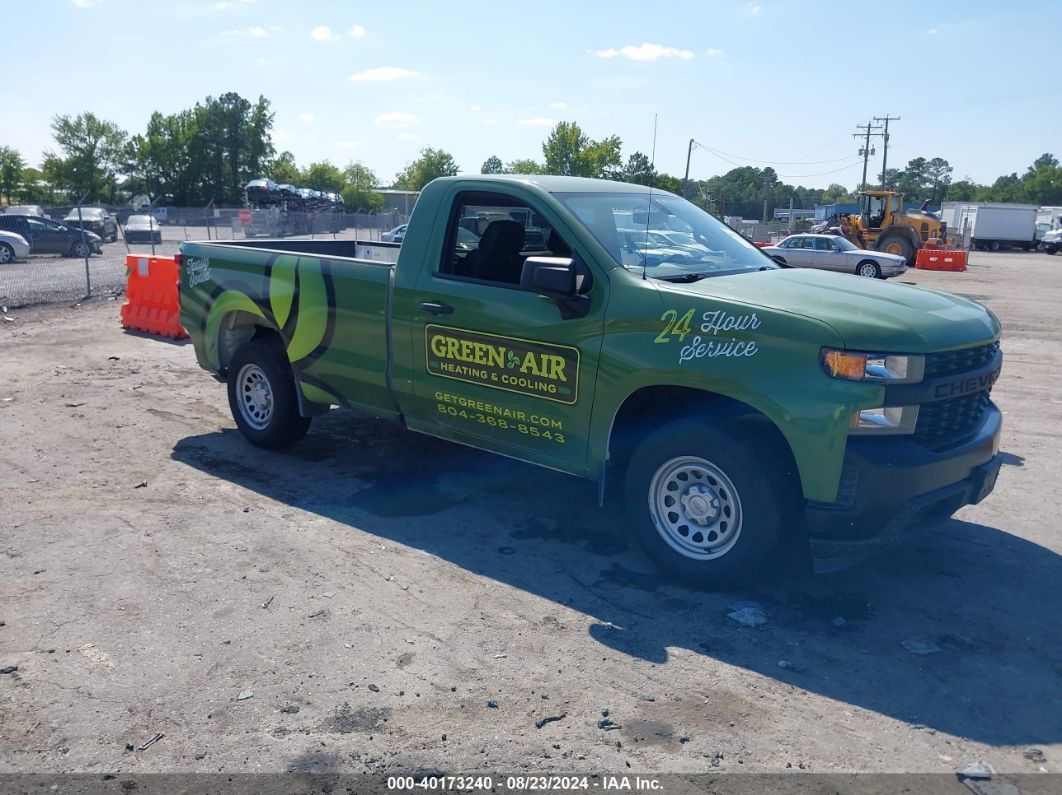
(57, 269)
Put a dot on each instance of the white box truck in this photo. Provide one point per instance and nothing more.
(991, 226)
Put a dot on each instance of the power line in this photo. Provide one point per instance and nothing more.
(866, 131)
(773, 162)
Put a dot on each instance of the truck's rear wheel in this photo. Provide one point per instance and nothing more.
(262, 395)
(897, 244)
(706, 507)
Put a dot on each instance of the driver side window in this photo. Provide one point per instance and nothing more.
(491, 236)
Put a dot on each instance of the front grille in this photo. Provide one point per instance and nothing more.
(959, 361)
(947, 421)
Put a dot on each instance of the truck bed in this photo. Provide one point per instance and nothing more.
(373, 251)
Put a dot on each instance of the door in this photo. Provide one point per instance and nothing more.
(48, 237)
(798, 254)
(828, 255)
(496, 366)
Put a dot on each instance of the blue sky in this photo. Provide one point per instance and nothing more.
(783, 82)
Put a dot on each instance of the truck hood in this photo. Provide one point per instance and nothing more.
(868, 314)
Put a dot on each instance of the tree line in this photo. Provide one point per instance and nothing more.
(210, 151)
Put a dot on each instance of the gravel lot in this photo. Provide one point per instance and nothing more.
(357, 604)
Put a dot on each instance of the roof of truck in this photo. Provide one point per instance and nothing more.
(554, 184)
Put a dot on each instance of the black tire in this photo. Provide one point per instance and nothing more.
(270, 416)
(81, 249)
(747, 513)
(994, 245)
(7, 254)
(898, 244)
(1050, 249)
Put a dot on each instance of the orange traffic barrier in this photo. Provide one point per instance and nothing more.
(151, 296)
(940, 260)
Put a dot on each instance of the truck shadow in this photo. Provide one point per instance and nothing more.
(955, 631)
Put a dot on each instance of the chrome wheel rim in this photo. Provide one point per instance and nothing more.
(6, 254)
(866, 269)
(695, 508)
(254, 396)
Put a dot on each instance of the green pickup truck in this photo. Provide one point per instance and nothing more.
(730, 402)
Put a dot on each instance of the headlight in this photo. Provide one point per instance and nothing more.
(874, 367)
(885, 420)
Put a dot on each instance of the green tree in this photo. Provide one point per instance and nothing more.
(637, 169)
(963, 190)
(938, 174)
(431, 164)
(524, 167)
(569, 151)
(232, 145)
(1043, 180)
(492, 165)
(324, 176)
(838, 194)
(11, 168)
(284, 171)
(161, 162)
(359, 192)
(92, 150)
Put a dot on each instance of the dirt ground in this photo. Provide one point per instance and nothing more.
(379, 601)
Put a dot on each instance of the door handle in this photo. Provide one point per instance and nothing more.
(436, 308)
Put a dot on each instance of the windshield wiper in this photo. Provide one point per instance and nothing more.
(683, 278)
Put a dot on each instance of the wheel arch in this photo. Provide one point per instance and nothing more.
(640, 414)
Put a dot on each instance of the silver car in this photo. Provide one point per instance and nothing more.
(832, 253)
(396, 235)
(12, 247)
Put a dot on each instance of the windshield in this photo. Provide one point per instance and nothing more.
(845, 244)
(638, 236)
(86, 212)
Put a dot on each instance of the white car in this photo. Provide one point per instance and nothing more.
(396, 235)
(12, 247)
(833, 253)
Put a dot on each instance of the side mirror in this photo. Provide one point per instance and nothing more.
(550, 276)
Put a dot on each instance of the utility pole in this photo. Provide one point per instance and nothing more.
(885, 144)
(867, 130)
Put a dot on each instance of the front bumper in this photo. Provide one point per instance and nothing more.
(893, 485)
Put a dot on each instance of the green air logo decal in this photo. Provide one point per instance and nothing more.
(526, 367)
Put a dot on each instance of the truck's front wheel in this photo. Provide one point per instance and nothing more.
(262, 395)
(706, 507)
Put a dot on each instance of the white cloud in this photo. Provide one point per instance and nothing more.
(225, 5)
(379, 73)
(475, 108)
(85, 3)
(346, 144)
(357, 31)
(645, 52)
(932, 31)
(538, 121)
(558, 105)
(408, 137)
(257, 32)
(307, 118)
(323, 33)
(396, 119)
(752, 9)
(713, 52)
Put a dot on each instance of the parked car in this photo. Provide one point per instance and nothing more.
(833, 253)
(94, 219)
(26, 209)
(12, 247)
(395, 235)
(143, 228)
(51, 237)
